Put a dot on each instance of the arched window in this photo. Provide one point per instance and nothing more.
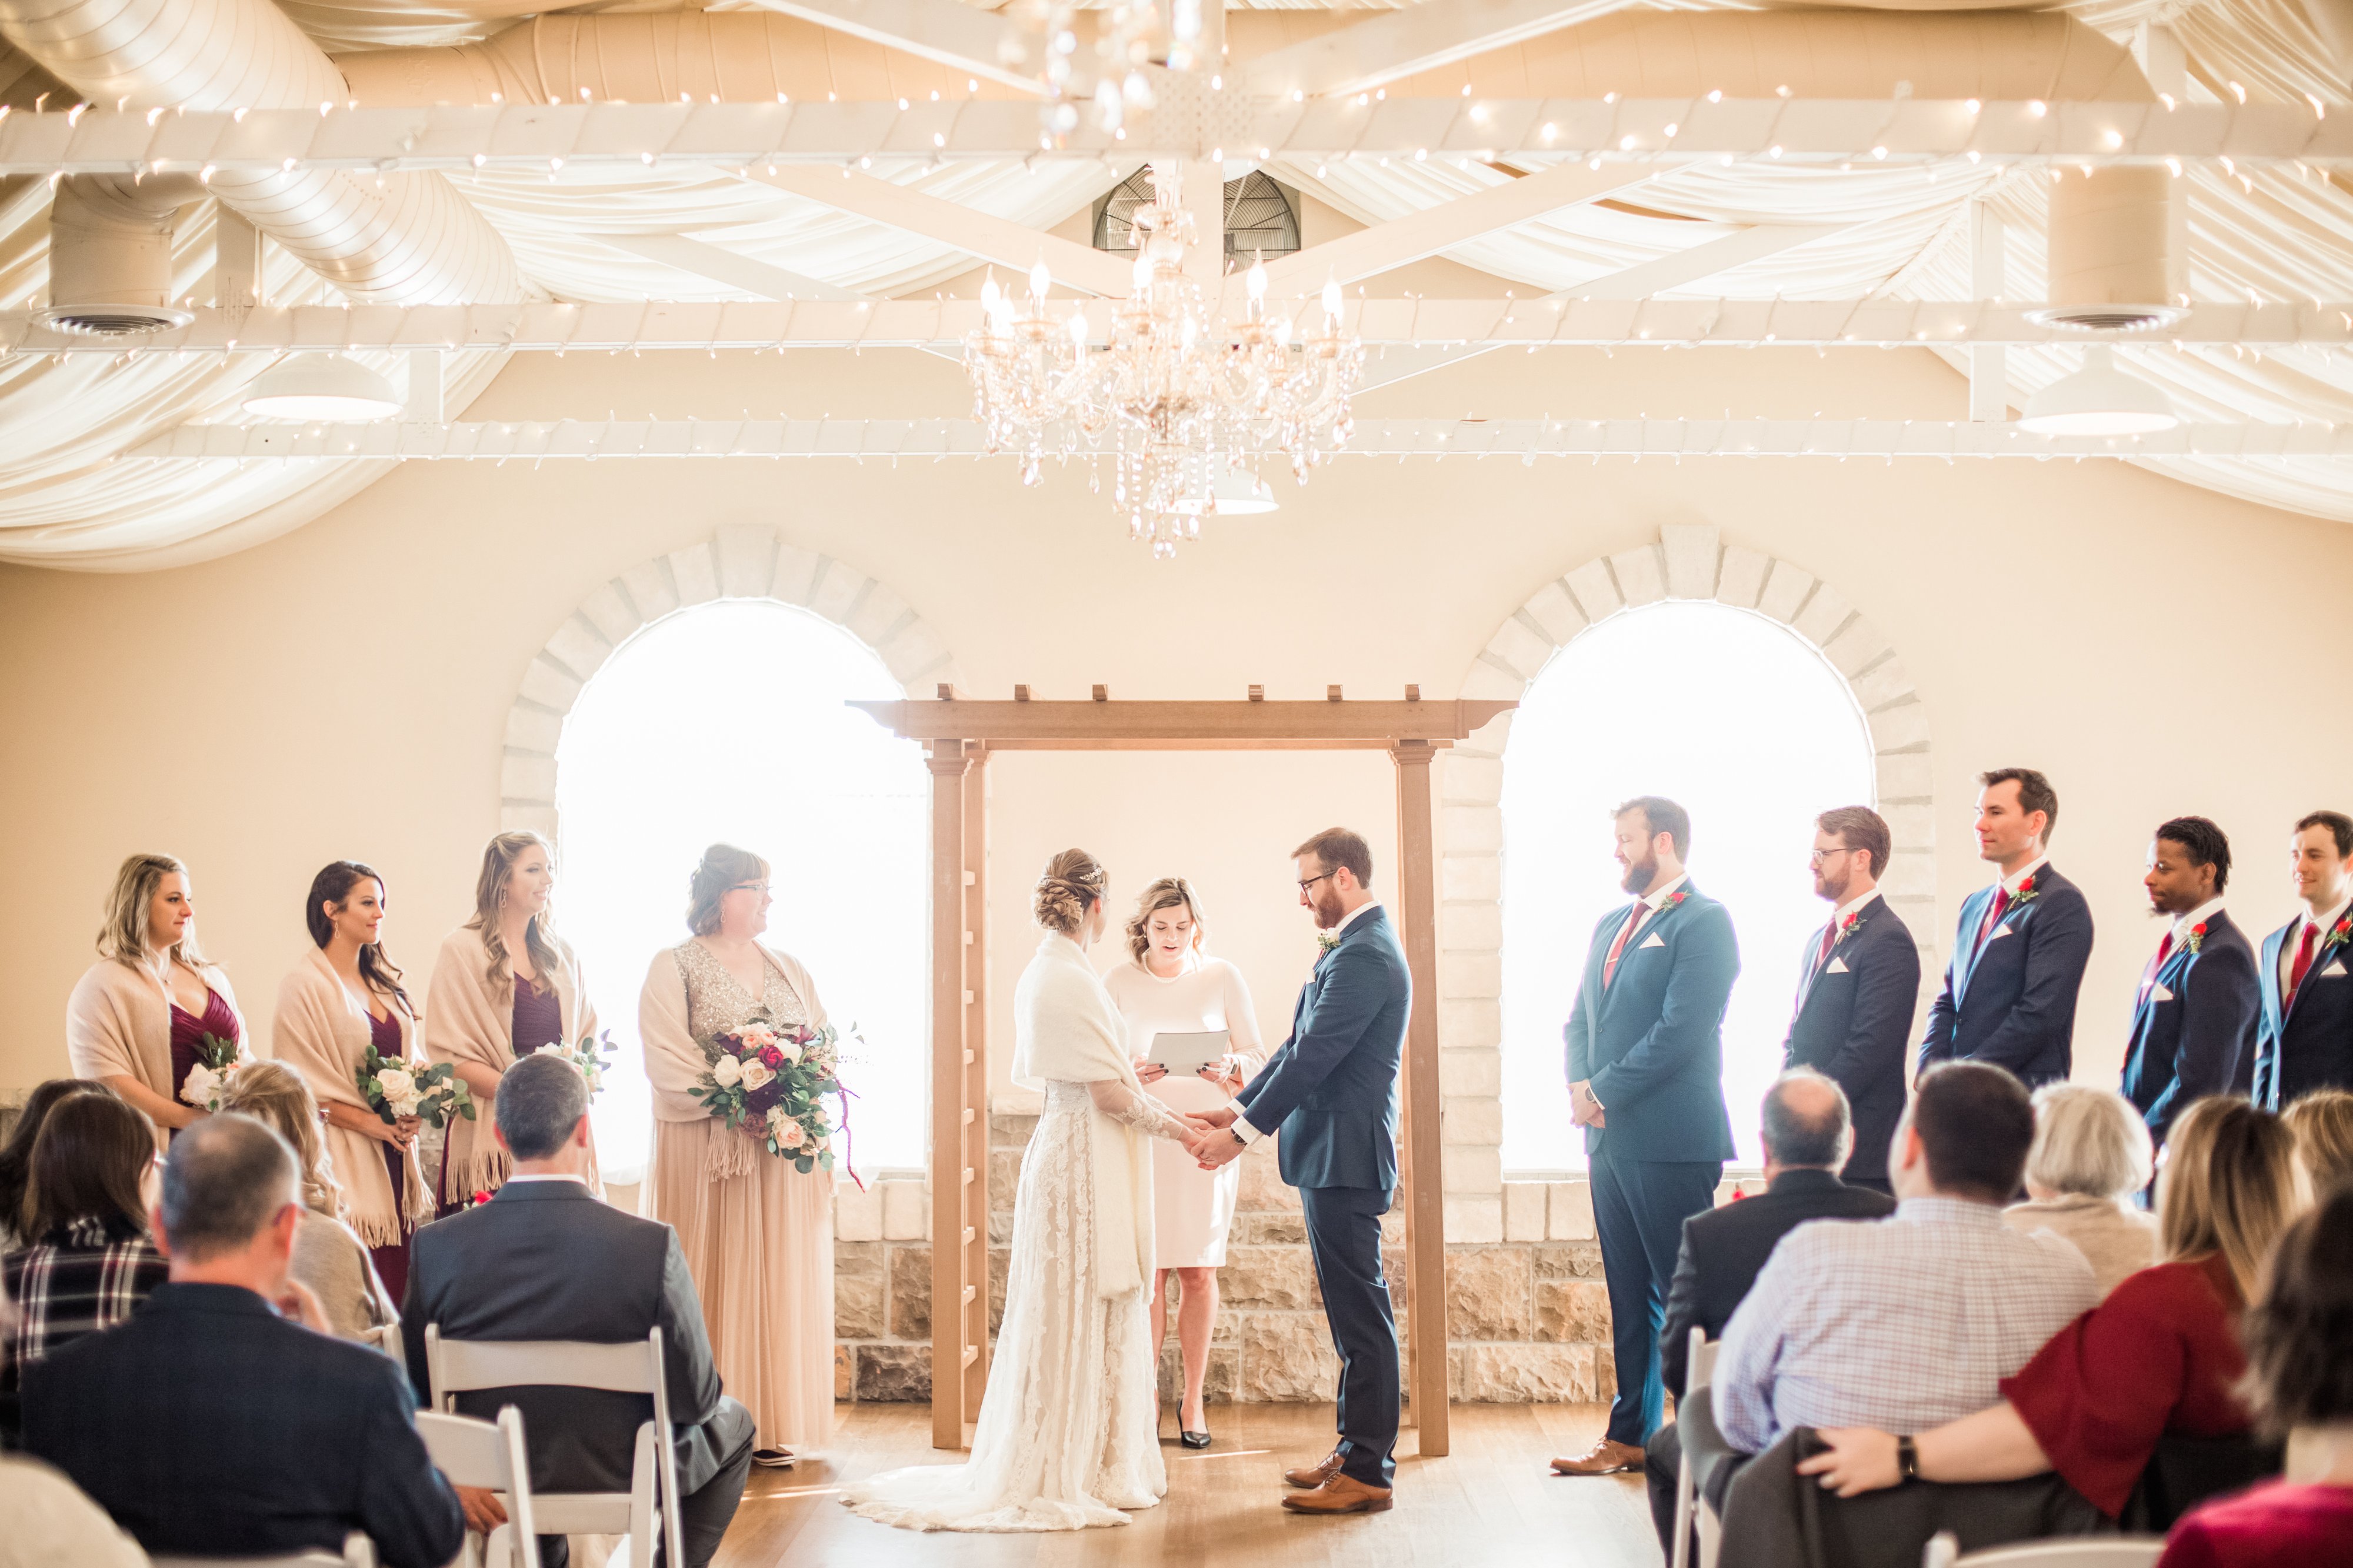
(727, 723)
(1748, 727)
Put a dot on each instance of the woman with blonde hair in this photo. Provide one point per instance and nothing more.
(152, 1005)
(2091, 1154)
(758, 1234)
(503, 985)
(1172, 986)
(2323, 1125)
(344, 997)
(329, 1257)
(1066, 1433)
(2161, 1355)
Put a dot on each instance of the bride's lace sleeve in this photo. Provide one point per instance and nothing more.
(1121, 1103)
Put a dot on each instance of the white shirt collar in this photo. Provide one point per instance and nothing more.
(1658, 896)
(2010, 884)
(2331, 917)
(1350, 918)
(2205, 912)
(522, 1176)
(1838, 915)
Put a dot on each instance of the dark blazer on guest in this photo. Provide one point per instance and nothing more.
(1852, 1021)
(1723, 1248)
(1651, 1043)
(545, 1260)
(207, 1425)
(1331, 1090)
(2307, 1045)
(2010, 1000)
(2194, 1026)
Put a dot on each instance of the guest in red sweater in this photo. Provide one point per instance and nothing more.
(2160, 1355)
(2299, 1337)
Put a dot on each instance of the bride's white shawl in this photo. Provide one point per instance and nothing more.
(1067, 1029)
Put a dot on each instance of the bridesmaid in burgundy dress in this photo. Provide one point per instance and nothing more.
(344, 997)
(138, 1017)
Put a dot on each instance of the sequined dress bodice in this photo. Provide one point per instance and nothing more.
(717, 1002)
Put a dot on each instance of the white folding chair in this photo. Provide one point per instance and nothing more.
(1944, 1551)
(489, 1455)
(650, 1509)
(359, 1552)
(1699, 1365)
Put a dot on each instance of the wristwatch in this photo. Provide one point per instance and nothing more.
(1237, 1137)
(1907, 1458)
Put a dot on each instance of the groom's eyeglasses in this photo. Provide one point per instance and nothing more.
(1312, 881)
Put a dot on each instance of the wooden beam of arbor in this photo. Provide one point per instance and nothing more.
(1186, 726)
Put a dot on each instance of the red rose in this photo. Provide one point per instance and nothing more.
(2198, 929)
(2027, 886)
(772, 1058)
(481, 1197)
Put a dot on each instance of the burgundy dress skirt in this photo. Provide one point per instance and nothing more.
(392, 1262)
(538, 1021)
(189, 1032)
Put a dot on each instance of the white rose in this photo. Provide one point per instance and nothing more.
(791, 1135)
(792, 1053)
(395, 1083)
(404, 1104)
(726, 1072)
(776, 1117)
(199, 1087)
(757, 1074)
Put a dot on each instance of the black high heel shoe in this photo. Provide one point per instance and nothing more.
(1191, 1439)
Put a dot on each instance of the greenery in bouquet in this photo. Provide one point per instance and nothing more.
(592, 1055)
(769, 1084)
(207, 1084)
(395, 1087)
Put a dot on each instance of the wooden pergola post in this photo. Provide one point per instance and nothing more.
(955, 1127)
(1425, 1185)
(973, 1111)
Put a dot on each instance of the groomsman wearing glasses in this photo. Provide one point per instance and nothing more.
(1645, 1056)
(2018, 954)
(2304, 1040)
(2194, 1028)
(1857, 987)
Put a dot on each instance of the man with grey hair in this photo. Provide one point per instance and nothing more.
(1807, 1137)
(225, 1419)
(545, 1260)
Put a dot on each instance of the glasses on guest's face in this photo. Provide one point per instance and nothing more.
(759, 887)
(1311, 882)
(1819, 856)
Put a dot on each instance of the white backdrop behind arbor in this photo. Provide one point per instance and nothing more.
(1745, 726)
(727, 723)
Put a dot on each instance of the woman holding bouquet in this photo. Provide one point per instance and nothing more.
(757, 1232)
(504, 985)
(153, 1010)
(343, 998)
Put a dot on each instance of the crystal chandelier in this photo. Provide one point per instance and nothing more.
(1127, 32)
(1179, 400)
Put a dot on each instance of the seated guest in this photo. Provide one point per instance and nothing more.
(49, 1520)
(91, 1264)
(2160, 1355)
(1806, 1140)
(545, 1259)
(329, 1257)
(16, 1154)
(1912, 1322)
(2299, 1340)
(2091, 1154)
(209, 1425)
(2323, 1125)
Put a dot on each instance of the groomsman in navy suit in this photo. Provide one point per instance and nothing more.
(2304, 1040)
(2194, 1020)
(1645, 1058)
(2018, 954)
(1858, 986)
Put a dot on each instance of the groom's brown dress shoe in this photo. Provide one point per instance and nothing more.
(1606, 1458)
(1316, 1474)
(1341, 1494)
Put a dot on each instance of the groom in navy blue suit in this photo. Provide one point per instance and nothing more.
(1330, 1091)
(1646, 1082)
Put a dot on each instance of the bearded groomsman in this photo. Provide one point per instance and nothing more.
(2304, 1040)
(1645, 1056)
(1858, 986)
(2018, 959)
(2193, 1025)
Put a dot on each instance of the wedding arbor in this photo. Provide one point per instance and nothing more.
(959, 734)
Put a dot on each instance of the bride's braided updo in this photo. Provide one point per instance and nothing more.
(1072, 883)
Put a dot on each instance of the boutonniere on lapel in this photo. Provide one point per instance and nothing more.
(1325, 941)
(2340, 933)
(1847, 926)
(2196, 938)
(2027, 893)
(1675, 897)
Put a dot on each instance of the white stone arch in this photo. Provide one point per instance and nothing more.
(740, 561)
(1689, 561)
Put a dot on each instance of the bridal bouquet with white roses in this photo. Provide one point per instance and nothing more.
(207, 1084)
(769, 1085)
(395, 1087)
(592, 1055)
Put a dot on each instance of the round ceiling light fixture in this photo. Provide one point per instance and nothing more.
(2099, 400)
(322, 387)
(1240, 494)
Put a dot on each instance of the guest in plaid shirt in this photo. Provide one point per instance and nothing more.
(91, 1264)
(1916, 1320)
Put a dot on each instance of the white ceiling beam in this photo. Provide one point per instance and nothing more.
(963, 37)
(529, 440)
(977, 234)
(1565, 320)
(1399, 44)
(1704, 260)
(723, 266)
(1426, 233)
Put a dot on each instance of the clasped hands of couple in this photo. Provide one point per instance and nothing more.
(1209, 1140)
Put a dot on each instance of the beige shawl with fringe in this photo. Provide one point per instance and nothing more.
(468, 1020)
(321, 1031)
(119, 1025)
(674, 1059)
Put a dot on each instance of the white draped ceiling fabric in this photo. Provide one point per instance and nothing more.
(2272, 233)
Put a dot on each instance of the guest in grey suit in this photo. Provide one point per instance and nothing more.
(546, 1260)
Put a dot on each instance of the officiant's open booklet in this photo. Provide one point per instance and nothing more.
(1183, 1054)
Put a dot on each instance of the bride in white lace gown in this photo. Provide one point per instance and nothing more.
(1069, 1426)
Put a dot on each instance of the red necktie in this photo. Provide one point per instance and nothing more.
(1610, 964)
(2163, 949)
(1829, 940)
(1993, 916)
(2303, 962)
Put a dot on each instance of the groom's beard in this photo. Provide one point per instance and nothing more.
(1328, 912)
(1640, 875)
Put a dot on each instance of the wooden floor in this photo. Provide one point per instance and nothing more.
(1492, 1503)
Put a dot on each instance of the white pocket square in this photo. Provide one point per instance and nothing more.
(1655, 940)
(1999, 932)
(1838, 966)
(2159, 993)
(2335, 970)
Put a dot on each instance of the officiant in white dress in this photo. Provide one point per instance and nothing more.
(1172, 986)
(1068, 1429)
